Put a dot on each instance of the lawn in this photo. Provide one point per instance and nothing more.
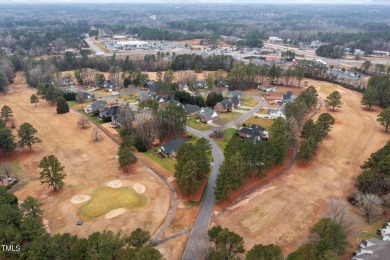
(101, 92)
(249, 101)
(105, 199)
(262, 111)
(227, 135)
(225, 118)
(191, 122)
(264, 122)
(167, 163)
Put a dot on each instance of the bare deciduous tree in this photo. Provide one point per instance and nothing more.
(339, 213)
(369, 204)
(83, 122)
(96, 135)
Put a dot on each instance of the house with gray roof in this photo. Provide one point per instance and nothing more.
(191, 110)
(207, 115)
(226, 105)
(255, 132)
(143, 96)
(236, 93)
(97, 106)
(170, 148)
(373, 249)
(200, 84)
(289, 97)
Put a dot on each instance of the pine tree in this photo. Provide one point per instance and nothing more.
(324, 124)
(126, 157)
(307, 148)
(7, 143)
(384, 118)
(187, 179)
(308, 129)
(6, 112)
(34, 99)
(52, 172)
(370, 97)
(27, 136)
(31, 207)
(62, 106)
(333, 100)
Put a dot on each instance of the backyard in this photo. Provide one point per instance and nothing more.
(264, 122)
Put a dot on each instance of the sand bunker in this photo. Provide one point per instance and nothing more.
(115, 184)
(115, 213)
(80, 199)
(138, 187)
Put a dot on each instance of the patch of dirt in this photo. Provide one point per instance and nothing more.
(283, 215)
(80, 199)
(115, 213)
(174, 248)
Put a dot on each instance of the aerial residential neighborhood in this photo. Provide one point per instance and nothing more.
(195, 130)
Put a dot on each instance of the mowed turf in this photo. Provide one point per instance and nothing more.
(105, 199)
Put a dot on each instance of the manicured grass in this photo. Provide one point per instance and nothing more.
(225, 118)
(167, 163)
(227, 135)
(249, 101)
(262, 111)
(101, 92)
(127, 98)
(191, 122)
(264, 122)
(105, 199)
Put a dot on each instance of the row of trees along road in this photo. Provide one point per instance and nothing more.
(377, 92)
(245, 160)
(22, 225)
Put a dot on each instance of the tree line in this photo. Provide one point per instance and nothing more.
(21, 225)
(248, 160)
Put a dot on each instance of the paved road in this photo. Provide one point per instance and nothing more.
(202, 221)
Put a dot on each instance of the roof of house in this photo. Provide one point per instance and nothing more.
(236, 100)
(143, 96)
(109, 111)
(200, 83)
(207, 113)
(254, 130)
(380, 249)
(191, 108)
(86, 95)
(109, 84)
(153, 86)
(288, 95)
(221, 82)
(98, 105)
(175, 102)
(173, 145)
(227, 103)
(237, 93)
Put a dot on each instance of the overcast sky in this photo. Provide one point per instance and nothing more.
(199, 1)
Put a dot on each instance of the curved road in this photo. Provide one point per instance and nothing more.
(202, 221)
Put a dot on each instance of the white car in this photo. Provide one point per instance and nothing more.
(115, 94)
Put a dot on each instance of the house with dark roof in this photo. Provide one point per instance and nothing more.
(170, 148)
(191, 110)
(255, 132)
(222, 83)
(153, 86)
(175, 102)
(110, 85)
(84, 96)
(373, 249)
(200, 84)
(97, 106)
(207, 115)
(161, 100)
(143, 96)
(66, 81)
(109, 112)
(182, 85)
(289, 97)
(236, 93)
(226, 105)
